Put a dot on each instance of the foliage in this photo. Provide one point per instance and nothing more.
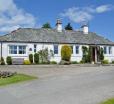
(46, 25)
(53, 62)
(87, 57)
(74, 62)
(101, 54)
(15, 79)
(68, 27)
(6, 74)
(9, 60)
(45, 55)
(105, 62)
(2, 61)
(112, 62)
(109, 101)
(81, 62)
(36, 58)
(31, 58)
(27, 62)
(66, 52)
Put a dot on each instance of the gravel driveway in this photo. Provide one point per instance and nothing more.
(60, 85)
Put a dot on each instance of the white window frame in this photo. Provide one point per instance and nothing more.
(56, 53)
(77, 49)
(17, 50)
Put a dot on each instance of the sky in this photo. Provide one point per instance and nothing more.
(99, 14)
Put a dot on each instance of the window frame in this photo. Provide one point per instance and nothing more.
(56, 49)
(110, 50)
(77, 49)
(18, 50)
(105, 49)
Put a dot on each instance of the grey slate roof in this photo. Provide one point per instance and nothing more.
(52, 36)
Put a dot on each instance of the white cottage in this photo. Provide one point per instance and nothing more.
(20, 43)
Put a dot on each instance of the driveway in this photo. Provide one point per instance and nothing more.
(60, 85)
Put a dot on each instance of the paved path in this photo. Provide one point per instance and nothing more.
(65, 85)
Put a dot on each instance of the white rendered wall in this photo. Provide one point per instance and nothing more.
(109, 57)
(57, 57)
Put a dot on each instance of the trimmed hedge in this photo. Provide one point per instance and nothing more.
(27, 62)
(53, 62)
(31, 58)
(105, 62)
(9, 60)
(36, 58)
(66, 52)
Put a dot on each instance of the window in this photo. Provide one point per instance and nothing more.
(105, 50)
(72, 49)
(77, 49)
(55, 49)
(110, 50)
(35, 48)
(17, 49)
(22, 49)
(12, 49)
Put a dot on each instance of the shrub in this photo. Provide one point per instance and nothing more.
(31, 58)
(112, 62)
(36, 58)
(9, 60)
(74, 62)
(66, 52)
(2, 61)
(53, 62)
(101, 54)
(82, 62)
(27, 62)
(105, 62)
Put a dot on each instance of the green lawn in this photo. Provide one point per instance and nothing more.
(15, 79)
(110, 101)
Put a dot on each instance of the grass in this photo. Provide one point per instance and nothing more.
(15, 79)
(109, 101)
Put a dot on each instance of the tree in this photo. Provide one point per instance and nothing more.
(66, 52)
(68, 27)
(46, 25)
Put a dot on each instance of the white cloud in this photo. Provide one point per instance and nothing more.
(78, 15)
(12, 17)
(104, 8)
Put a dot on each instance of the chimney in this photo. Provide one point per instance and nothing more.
(59, 25)
(85, 29)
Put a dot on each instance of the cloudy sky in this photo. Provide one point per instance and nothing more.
(33, 13)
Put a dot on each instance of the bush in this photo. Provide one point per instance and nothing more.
(82, 62)
(74, 62)
(105, 62)
(112, 62)
(45, 63)
(101, 54)
(2, 61)
(27, 62)
(36, 58)
(66, 52)
(53, 62)
(9, 60)
(31, 58)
